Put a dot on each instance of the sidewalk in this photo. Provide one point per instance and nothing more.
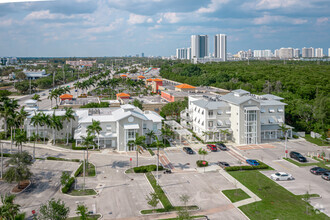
(43, 146)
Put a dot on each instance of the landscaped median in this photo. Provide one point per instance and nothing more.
(144, 169)
(276, 202)
(261, 166)
(235, 195)
(322, 164)
(168, 207)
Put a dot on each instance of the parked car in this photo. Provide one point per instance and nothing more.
(188, 150)
(281, 176)
(212, 147)
(221, 146)
(318, 170)
(43, 94)
(223, 164)
(298, 156)
(326, 175)
(252, 162)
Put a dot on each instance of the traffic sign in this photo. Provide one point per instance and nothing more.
(286, 151)
(130, 159)
(204, 162)
(33, 212)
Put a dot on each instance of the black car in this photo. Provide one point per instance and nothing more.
(221, 146)
(188, 150)
(318, 170)
(223, 164)
(298, 156)
(326, 175)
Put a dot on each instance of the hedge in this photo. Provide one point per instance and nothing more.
(146, 169)
(80, 148)
(200, 163)
(68, 185)
(62, 159)
(262, 166)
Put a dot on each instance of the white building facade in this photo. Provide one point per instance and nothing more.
(199, 46)
(220, 46)
(239, 116)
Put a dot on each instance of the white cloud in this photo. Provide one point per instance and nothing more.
(15, 1)
(45, 14)
(213, 6)
(273, 4)
(171, 17)
(8, 22)
(322, 20)
(111, 27)
(138, 19)
(268, 19)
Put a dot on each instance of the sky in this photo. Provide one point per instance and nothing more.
(89, 28)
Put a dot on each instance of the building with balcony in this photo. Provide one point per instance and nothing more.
(239, 116)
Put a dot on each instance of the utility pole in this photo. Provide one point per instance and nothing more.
(53, 79)
(63, 74)
(1, 160)
(84, 163)
(30, 87)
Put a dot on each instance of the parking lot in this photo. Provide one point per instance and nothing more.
(304, 180)
(203, 190)
(183, 161)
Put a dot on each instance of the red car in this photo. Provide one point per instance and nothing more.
(212, 147)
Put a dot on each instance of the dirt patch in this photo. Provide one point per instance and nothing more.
(23, 185)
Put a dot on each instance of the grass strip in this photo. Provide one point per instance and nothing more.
(163, 199)
(89, 172)
(62, 159)
(316, 141)
(277, 202)
(91, 217)
(235, 195)
(86, 192)
(319, 164)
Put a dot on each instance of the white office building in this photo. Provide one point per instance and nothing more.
(307, 52)
(329, 52)
(245, 117)
(286, 53)
(183, 53)
(262, 53)
(199, 46)
(319, 52)
(220, 46)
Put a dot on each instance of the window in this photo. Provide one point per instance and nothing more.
(220, 112)
(203, 112)
(131, 134)
(210, 113)
(108, 127)
(195, 108)
(202, 122)
(228, 112)
(271, 110)
(271, 120)
(219, 123)
(199, 110)
(210, 124)
(262, 110)
(154, 127)
(280, 109)
(228, 122)
(144, 126)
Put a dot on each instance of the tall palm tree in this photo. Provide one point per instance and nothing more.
(202, 152)
(52, 95)
(151, 136)
(56, 125)
(6, 108)
(34, 137)
(37, 98)
(20, 138)
(21, 116)
(284, 131)
(45, 122)
(139, 144)
(68, 117)
(12, 123)
(225, 133)
(36, 121)
(87, 142)
(95, 129)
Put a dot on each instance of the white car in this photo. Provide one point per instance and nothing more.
(281, 176)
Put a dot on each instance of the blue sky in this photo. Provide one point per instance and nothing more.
(158, 27)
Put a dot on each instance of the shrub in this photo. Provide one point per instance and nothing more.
(68, 186)
(151, 152)
(295, 136)
(80, 148)
(146, 169)
(96, 105)
(200, 163)
(259, 167)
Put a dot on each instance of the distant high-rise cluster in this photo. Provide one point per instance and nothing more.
(282, 53)
(199, 50)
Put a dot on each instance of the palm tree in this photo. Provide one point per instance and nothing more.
(12, 123)
(36, 121)
(151, 135)
(8, 210)
(206, 134)
(158, 145)
(202, 152)
(139, 143)
(6, 108)
(19, 170)
(95, 129)
(225, 133)
(87, 142)
(21, 116)
(20, 138)
(69, 117)
(284, 131)
(34, 136)
(45, 121)
(52, 95)
(37, 98)
(167, 133)
(55, 124)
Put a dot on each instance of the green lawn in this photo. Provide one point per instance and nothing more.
(277, 202)
(91, 217)
(86, 192)
(235, 195)
(89, 172)
(162, 198)
(319, 164)
(316, 141)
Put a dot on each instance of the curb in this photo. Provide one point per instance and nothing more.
(11, 191)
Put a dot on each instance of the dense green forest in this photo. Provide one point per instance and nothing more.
(304, 85)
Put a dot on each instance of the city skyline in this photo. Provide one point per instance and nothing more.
(156, 27)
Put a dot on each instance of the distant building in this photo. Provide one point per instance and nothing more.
(319, 52)
(296, 53)
(245, 54)
(286, 53)
(142, 54)
(35, 74)
(277, 53)
(81, 63)
(307, 52)
(262, 53)
(8, 61)
(199, 46)
(329, 52)
(220, 46)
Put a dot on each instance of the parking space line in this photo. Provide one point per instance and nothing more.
(282, 166)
